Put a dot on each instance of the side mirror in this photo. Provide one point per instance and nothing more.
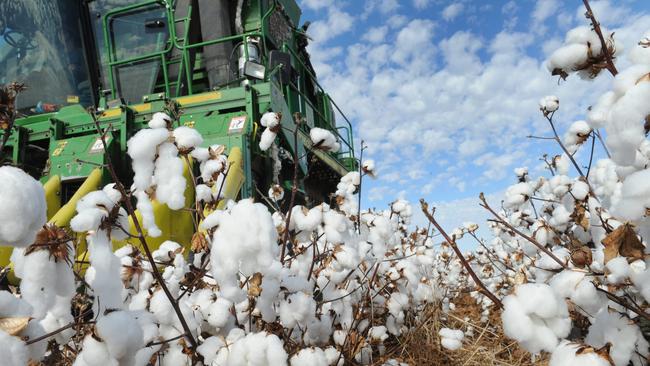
(254, 70)
(276, 58)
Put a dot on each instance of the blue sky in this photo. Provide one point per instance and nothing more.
(445, 92)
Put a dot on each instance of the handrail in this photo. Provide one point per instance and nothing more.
(313, 78)
(350, 151)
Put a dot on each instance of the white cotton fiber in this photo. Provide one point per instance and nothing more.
(23, 212)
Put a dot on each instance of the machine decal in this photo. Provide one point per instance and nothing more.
(237, 124)
(98, 146)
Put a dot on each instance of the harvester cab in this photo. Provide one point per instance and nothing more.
(114, 63)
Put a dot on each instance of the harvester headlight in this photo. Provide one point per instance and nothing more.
(254, 70)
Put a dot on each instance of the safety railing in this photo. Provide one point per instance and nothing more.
(346, 153)
(350, 142)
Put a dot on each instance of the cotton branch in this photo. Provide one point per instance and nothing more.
(297, 118)
(549, 118)
(603, 44)
(500, 220)
(142, 239)
(452, 243)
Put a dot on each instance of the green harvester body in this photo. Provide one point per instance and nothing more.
(136, 58)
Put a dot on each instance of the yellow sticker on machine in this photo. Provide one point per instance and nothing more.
(72, 99)
(60, 147)
(199, 98)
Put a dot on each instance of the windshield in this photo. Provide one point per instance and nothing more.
(133, 33)
(41, 46)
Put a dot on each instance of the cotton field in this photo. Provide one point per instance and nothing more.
(564, 275)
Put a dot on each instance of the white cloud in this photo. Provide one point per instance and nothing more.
(420, 4)
(452, 11)
(376, 34)
(543, 10)
(451, 112)
(397, 21)
(608, 14)
(317, 4)
(338, 22)
(383, 6)
(454, 213)
(509, 10)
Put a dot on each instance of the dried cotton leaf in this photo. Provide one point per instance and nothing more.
(13, 326)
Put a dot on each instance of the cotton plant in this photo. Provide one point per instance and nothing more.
(158, 167)
(576, 237)
(244, 287)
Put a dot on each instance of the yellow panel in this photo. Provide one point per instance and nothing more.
(112, 113)
(199, 98)
(235, 177)
(146, 107)
(64, 215)
(53, 195)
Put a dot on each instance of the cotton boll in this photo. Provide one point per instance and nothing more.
(219, 315)
(142, 149)
(535, 317)
(245, 241)
(160, 120)
(103, 275)
(635, 196)
(209, 349)
(145, 208)
(175, 357)
(257, 349)
(567, 354)
(14, 350)
(167, 251)
(368, 167)
(627, 341)
(214, 167)
(580, 190)
(625, 128)
(574, 285)
(324, 139)
(122, 335)
(270, 119)
(168, 176)
(517, 195)
(618, 269)
(187, 138)
(203, 193)
(549, 104)
(267, 139)
(297, 309)
(598, 114)
(378, 333)
(562, 164)
(560, 218)
(94, 353)
(23, 207)
(202, 154)
(451, 339)
(310, 357)
(567, 57)
(577, 134)
(585, 35)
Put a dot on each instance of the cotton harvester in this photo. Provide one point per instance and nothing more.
(222, 62)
